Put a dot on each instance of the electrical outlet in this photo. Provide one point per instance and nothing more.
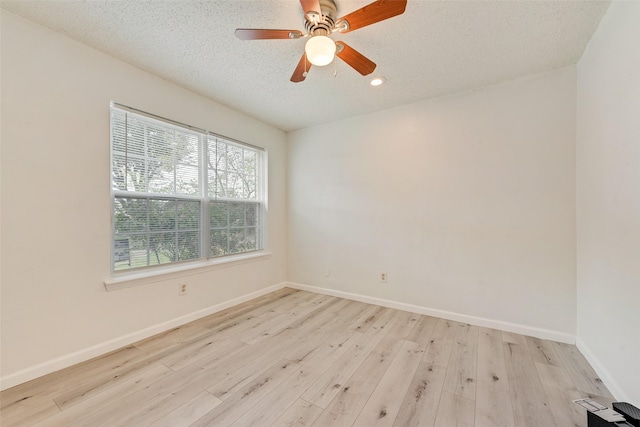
(383, 277)
(182, 289)
(327, 273)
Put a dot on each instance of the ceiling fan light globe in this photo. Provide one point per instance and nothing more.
(320, 50)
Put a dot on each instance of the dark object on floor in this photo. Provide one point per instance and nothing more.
(631, 415)
(630, 412)
(595, 421)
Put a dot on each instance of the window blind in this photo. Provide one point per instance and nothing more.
(180, 193)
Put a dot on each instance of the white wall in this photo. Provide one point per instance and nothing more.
(608, 200)
(467, 201)
(56, 203)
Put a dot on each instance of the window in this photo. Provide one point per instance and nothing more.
(181, 193)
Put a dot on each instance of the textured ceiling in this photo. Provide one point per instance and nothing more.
(434, 48)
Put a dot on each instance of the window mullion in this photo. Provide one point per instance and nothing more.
(176, 240)
(148, 230)
(205, 232)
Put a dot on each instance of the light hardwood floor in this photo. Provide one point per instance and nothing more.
(294, 358)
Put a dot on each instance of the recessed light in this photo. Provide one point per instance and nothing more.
(377, 81)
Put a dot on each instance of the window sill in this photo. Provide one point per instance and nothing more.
(131, 279)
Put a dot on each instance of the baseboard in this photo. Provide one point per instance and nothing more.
(603, 373)
(65, 361)
(449, 315)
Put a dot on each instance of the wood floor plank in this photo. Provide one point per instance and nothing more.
(293, 344)
(439, 349)
(493, 399)
(319, 319)
(405, 323)
(30, 413)
(323, 390)
(543, 351)
(172, 392)
(39, 391)
(560, 392)
(529, 401)
(382, 407)
(420, 404)
(211, 348)
(367, 318)
(346, 406)
(338, 307)
(180, 335)
(455, 411)
(269, 409)
(95, 382)
(153, 403)
(244, 399)
(461, 372)
(92, 377)
(276, 324)
(190, 411)
(310, 348)
(253, 305)
(75, 415)
(423, 331)
(581, 373)
(247, 319)
(329, 327)
(300, 414)
(121, 368)
(234, 375)
(255, 321)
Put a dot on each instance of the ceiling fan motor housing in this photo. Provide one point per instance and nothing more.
(324, 24)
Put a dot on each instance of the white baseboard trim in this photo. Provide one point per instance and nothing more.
(65, 361)
(449, 315)
(603, 373)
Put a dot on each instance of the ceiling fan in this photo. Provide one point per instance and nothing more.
(320, 23)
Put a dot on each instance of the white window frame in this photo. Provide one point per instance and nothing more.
(131, 276)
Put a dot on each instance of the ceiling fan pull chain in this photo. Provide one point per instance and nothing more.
(335, 67)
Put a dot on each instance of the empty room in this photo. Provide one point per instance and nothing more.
(320, 213)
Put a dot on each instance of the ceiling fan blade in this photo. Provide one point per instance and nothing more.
(372, 13)
(355, 59)
(256, 34)
(311, 6)
(301, 70)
